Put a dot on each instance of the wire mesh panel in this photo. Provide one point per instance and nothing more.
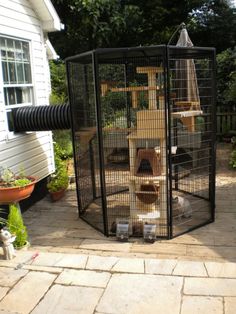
(85, 137)
(143, 127)
(133, 126)
(191, 75)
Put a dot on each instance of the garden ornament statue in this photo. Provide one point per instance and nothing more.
(7, 240)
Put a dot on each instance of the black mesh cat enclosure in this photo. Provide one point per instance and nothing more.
(143, 124)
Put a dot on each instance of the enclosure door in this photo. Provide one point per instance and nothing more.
(85, 140)
(192, 131)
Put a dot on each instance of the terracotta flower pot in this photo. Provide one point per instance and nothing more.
(15, 194)
(56, 196)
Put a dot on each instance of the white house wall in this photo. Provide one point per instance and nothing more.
(33, 151)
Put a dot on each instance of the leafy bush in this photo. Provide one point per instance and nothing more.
(58, 80)
(63, 147)
(58, 182)
(232, 161)
(226, 76)
(16, 226)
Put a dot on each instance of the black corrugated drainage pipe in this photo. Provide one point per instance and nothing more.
(41, 118)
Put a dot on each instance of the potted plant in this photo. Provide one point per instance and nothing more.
(14, 188)
(16, 227)
(58, 184)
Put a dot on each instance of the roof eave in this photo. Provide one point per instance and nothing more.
(48, 15)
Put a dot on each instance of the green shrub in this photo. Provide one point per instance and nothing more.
(63, 147)
(58, 182)
(16, 226)
(232, 161)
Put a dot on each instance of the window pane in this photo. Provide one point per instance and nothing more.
(16, 69)
(3, 49)
(26, 94)
(10, 121)
(10, 50)
(27, 73)
(12, 72)
(26, 56)
(20, 71)
(18, 95)
(19, 51)
(5, 97)
(17, 57)
(5, 73)
(11, 95)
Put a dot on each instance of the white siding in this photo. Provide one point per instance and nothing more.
(32, 151)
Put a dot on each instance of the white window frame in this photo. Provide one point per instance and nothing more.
(7, 108)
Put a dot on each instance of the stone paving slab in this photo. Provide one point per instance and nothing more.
(105, 245)
(84, 278)
(69, 300)
(212, 252)
(199, 304)
(160, 248)
(47, 259)
(129, 265)
(9, 276)
(161, 267)
(162, 284)
(8, 312)
(101, 262)
(58, 242)
(3, 291)
(210, 286)
(27, 292)
(138, 294)
(48, 269)
(221, 269)
(72, 261)
(190, 269)
(21, 256)
(230, 305)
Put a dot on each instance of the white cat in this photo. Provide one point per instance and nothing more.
(182, 206)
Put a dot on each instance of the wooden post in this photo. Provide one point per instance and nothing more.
(152, 82)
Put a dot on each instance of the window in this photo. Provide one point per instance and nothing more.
(16, 72)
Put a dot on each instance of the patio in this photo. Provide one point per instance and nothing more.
(55, 227)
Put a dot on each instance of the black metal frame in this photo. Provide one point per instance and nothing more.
(107, 56)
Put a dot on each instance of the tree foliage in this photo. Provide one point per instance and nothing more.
(226, 76)
(58, 81)
(91, 24)
(214, 25)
